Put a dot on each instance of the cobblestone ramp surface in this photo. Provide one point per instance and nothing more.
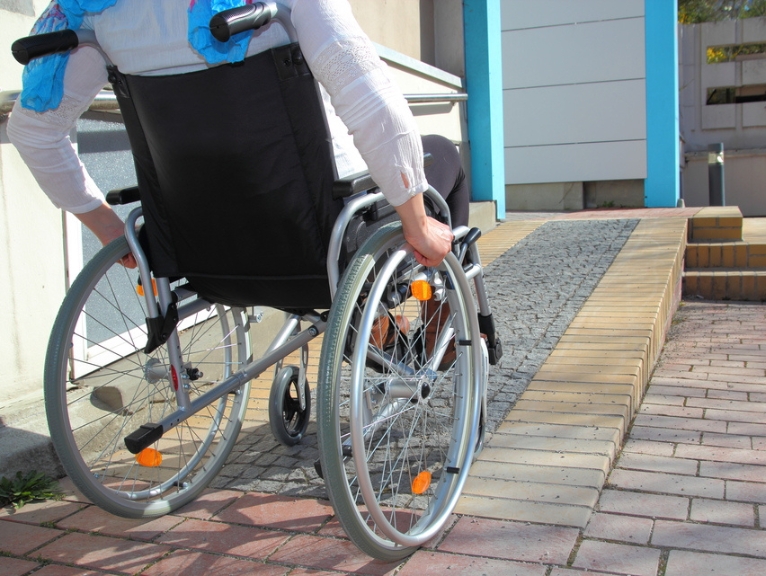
(536, 288)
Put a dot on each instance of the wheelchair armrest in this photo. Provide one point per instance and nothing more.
(361, 181)
(122, 196)
(351, 185)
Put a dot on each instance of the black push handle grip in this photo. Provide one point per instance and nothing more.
(227, 23)
(27, 49)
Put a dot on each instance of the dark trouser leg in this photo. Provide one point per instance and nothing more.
(446, 175)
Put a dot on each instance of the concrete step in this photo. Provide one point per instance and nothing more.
(24, 437)
(482, 215)
(747, 284)
(725, 256)
(737, 254)
(716, 223)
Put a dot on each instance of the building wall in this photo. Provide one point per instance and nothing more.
(738, 126)
(574, 90)
(32, 270)
(744, 177)
(391, 23)
(741, 128)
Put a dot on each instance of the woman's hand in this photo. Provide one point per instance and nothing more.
(107, 226)
(430, 239)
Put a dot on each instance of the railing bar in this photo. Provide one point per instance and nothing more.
(106, 100)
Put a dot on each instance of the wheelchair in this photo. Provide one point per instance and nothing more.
(148, 371)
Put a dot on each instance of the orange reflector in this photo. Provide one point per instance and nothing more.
(421, 290)
(421, 482)
(140, 288)
(149, 457)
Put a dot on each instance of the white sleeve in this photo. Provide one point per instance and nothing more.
(343, 59)
(43, 142)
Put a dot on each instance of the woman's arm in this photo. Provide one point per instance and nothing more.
(43, 141)
(376, 113)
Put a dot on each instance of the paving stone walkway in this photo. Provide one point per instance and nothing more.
(686, 495)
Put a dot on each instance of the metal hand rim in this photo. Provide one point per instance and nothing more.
(467, 445)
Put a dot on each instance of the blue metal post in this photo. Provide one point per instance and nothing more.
(484, 83)
(662, 185)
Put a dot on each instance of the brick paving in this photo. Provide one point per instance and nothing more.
(685, 495)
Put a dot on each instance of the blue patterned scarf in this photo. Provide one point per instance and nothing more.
(43, 78)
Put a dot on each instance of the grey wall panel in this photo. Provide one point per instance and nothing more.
(593, 52)
(519, 14)
(574, 79)
(599, 112)
(576, 162)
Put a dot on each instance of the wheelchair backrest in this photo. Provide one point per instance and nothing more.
(235, 168)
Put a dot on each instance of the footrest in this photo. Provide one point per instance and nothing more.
(495, 352)
(494, 345)
(146, 435)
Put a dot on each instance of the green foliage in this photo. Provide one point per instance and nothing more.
(716, 54)
(696, 11)
(22, 489)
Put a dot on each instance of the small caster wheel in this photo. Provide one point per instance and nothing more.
(288, 421)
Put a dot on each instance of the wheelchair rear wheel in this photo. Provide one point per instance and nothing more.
(100, 385)
(398, 406)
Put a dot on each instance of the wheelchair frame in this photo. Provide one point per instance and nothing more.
(380, 389)
(287, 340)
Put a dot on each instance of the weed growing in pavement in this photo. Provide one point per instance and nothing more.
(26, 488)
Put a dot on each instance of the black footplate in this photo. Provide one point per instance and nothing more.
(494, 346)
(145, 436)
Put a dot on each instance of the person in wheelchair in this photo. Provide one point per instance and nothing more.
(370, 122)
(230, 141)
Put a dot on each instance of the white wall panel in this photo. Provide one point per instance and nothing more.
(753, 30)
(718, 75)
(574, 79)
(718, 33)
(599, 112)
(576, 162)
(719, 116)
(753, 72)
(519, 14)
(593, 52)
(753, 114)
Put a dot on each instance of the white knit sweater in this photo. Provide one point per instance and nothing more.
(150, 38)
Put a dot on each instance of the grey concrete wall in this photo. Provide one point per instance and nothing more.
(744, 180)
(741, 128)
(31, 242)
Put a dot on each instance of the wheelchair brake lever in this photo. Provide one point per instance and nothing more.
(466, 242)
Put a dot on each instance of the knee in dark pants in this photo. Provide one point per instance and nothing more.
(447, 177)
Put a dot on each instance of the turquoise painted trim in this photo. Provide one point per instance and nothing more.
(663, 184)
(484, 84)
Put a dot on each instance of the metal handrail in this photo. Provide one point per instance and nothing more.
(106, 101)
(451, 97)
